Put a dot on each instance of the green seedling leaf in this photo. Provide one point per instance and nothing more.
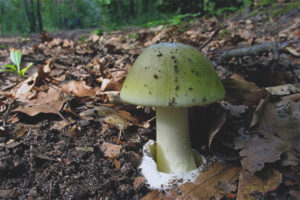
(5, 70)
(23, 71)
(11, 67)
(15, 56)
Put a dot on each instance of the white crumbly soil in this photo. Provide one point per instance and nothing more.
(159, 180)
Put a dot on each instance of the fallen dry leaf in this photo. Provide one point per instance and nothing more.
(268, 181)
(138, 182)
(117, 164)
(26, 86)
(104, 83)
(117, 121)
(32, 110)
(60, 125)
(293, 97)
(295, 194)
(234, 110)
(257, 112)
(278, 133)
(78, 88)
(239, 91)
(68, 43)
(206, 184)
(155, 195)
(110, 150)
(258, 150)
(47, 101)
(98, 111)
(86, 149)
(113, 97)
(23, 89)
(128, 116)
(8, 194)
(283, 89)
(218, 123)
(55, 42)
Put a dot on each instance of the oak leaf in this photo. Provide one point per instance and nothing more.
(207, 184)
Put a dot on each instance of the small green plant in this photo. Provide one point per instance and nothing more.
(98, 32)
(83, 38)
(133, 35)
(15, 57)
(174, 20)
(177, 19)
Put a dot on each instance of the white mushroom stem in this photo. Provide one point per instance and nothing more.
(173, 153)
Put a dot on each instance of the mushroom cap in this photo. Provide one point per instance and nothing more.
(172, 75)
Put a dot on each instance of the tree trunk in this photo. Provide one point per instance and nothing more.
(32, 14)
(132, 8)
(29, 16)
(38, 7)
(1, 16)
(120, 10)
(145, 6)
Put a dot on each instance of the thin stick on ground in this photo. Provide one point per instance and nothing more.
(215, 33)
(255, 50)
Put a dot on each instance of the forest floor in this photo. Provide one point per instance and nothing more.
(65, 134)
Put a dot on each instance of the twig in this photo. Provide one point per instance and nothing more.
(215, 33)
(291, 178)
(7, 111)
(255, 50)
(117, 70)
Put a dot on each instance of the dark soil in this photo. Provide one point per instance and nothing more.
(44, 164)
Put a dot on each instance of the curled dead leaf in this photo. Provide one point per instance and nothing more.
(32, 110)
(257, 112)
(219, 122)
(78, 88)
(117, 121)
(239, 91)
(26, 86)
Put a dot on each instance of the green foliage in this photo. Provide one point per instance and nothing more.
(15, 57)
(4, 46)
(247, 3)
(12, 17)
(274, 9)
(133, 35)
(177, 19)
(98, 32)
(280, 10)
(174, 20)
(224, 33)
(83, 38)
(266, 2)
(211, 8)
(111, 14)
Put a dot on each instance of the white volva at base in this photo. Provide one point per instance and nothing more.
(160, 180)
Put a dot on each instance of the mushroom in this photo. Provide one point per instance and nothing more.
(172, 77)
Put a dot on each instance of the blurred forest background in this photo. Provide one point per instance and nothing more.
(26, 16)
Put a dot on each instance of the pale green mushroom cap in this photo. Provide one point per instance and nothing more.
(172, 75)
